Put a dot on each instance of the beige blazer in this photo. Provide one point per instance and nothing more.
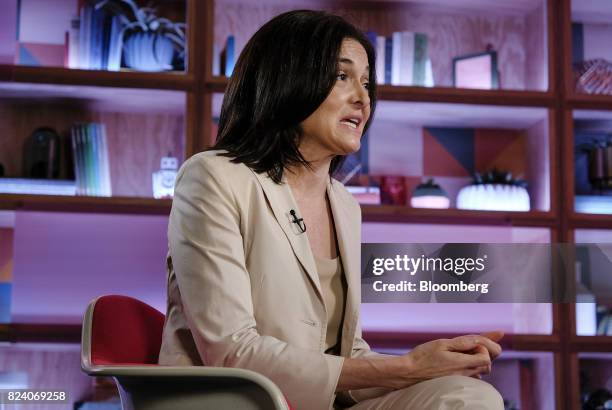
(243, 289)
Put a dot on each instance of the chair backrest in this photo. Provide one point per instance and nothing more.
(120, 330)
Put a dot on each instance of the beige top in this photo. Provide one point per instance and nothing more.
(334, 290)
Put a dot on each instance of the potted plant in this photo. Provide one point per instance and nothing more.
(494, 191)
(150, 42)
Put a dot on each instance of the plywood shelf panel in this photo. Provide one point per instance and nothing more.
(40, 333)
(121, 205)
(394, 213)
(66, 76)
(592, 343)
(442, 94)
(589, 101)
(595, 221)
(399, 340)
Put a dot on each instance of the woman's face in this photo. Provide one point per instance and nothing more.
(335, 127)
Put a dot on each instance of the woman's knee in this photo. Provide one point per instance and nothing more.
(462, 392)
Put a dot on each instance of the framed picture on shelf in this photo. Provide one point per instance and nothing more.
(476, 71)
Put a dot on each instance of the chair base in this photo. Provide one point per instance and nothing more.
(187, 393)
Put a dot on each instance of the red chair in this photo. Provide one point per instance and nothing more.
(122, 337)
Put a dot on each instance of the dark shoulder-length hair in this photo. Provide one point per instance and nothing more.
(284, 73)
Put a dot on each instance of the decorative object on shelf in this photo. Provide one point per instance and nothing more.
(477, 70)
(41, 154)
(356, 166)
(152, 43)
(6, 271)
(600, 163)
(429, 195)
(91, 162)
(494, 191)
(604, 321)
(593, 76)
(593, 204)
(228, 57)
(393, 190)
(37, 30)
(163, 180)
(510, 405)
(600, 399)
(365, 195)
(586, 306)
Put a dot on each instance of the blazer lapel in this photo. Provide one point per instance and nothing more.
(281, 202)
(349, 247)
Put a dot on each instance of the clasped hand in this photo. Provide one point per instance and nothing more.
(469, 355)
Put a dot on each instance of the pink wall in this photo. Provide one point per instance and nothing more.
(8, 29)
(63, 260)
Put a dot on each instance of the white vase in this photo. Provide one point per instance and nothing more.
(148, 52)
(493, 197)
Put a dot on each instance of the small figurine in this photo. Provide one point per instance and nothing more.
(163, 180)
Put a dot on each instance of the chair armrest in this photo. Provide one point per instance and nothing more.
(196, 379)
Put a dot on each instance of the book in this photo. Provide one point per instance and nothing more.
(77, 159)
(380, 59)
(367, 195)
(396, 57)
(106, 177)
(97, 34)
(91, 163)
(429, 78)
(406, 66)
(37, 186)
(115, 45)
(216, 68)
(388, 59)
(92, 131)
(420, 59)
(371, 35)
(85, 36)
(73, 42)
(229, 56)
(101, 166)
(6, 272)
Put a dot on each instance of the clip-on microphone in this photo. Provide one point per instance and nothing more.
(299, 221)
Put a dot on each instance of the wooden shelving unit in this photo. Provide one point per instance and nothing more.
(129, 79)
(198, 87)
(125, 205)
(40, 333)
(405, 340)
(393, 213)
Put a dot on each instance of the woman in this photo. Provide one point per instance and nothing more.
(264, 245)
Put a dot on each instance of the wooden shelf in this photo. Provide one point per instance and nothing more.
(592, 343)
(97, 78)
(122, 205)
(40, 333)
(394, 213)
(442, 94)
(593, 221)
(590, 101)
(406, 340)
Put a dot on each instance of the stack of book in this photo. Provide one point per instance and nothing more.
(37, 186)
(94, 40)
(402, 59)
(225, 60)
(91, 164)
